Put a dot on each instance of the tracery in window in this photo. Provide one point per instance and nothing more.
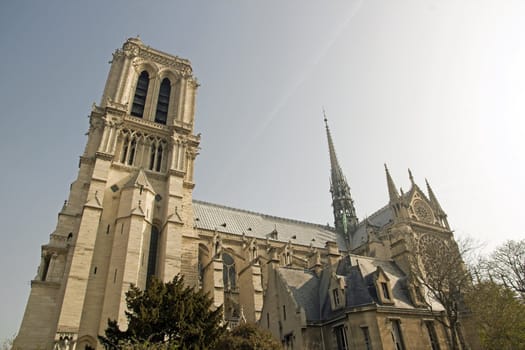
(155, 159)
(141, 91)
(228, 273)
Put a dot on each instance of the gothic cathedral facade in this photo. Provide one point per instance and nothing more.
(130, 216)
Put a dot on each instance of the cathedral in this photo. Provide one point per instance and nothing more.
(130, 216)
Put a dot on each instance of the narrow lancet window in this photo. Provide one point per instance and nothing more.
(124, 150)
(159, 158)
(132, 147)
(141, 91)
(152, 157)
(163, 103)
(152, 256)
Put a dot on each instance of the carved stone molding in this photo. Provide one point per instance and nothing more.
(135, 48)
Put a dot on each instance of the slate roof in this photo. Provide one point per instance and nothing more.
(368, 267)
(380, 218)
(210, 216)
(312, 293)
(304, 286)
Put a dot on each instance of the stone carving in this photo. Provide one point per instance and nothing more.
(65, 341)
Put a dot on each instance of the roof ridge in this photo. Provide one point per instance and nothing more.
(326, 227)
(374, 214)
(358, 257)
(296, 268)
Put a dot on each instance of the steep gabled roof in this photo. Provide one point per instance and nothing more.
(304, 287)
(359, 273)
(368, 268)
(380, 218)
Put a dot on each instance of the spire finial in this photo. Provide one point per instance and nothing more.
(432, 197)
(345, 217)
(410, 176)
(392, 191)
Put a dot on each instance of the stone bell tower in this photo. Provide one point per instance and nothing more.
(129, 212)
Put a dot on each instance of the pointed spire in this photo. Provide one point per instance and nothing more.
(432, 197)
(392, 191)
(334, 164)
(437, 207)
(345, 218)
(411, 177)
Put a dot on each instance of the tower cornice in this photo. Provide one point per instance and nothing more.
(134, 47)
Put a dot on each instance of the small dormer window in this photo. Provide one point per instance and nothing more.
(419, 294)
(383, 287)
(385, 290)
(335, 296)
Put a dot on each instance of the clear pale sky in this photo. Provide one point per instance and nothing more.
(435, 86)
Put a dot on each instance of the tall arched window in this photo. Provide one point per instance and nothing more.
(229, 274)
(125, 146)
(163, 103)
(159, 158)
(139, 101)
(132, 147)
(152, 157)
(152, 256)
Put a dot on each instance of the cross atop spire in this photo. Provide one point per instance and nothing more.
(345, 218)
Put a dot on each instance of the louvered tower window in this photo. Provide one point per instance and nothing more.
(141, 91)
(163, 103)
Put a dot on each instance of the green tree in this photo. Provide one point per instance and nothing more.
(442, 272)
(497, 316)
(166, 316)
(506, 266)
(247, 337)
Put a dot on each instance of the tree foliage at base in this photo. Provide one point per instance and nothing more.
(166, 316)
(247, 337)
(446, 278)
(498, 316)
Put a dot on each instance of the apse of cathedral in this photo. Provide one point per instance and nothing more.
(130, 216)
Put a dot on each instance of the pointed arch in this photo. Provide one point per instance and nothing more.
(141, 92)
(132, 149)
(229, 273)
(152, 151)
(124, 153)
(161, 115)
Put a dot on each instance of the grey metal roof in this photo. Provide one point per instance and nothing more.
(211, 217)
